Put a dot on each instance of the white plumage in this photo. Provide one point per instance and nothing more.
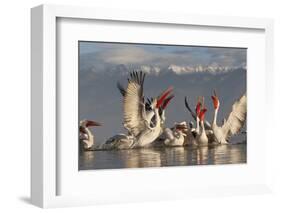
(176, 135)
(135, 119)
(234, 122)
(144, 126)
(85, 134)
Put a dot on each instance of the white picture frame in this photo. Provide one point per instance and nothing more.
(45, 168)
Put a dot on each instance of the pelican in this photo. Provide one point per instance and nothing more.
(85, 134)
(191, 132)
(202, 138)
(189, 139)
(195, 114)
(162, 109)
(148, 106)
(141, 119)
(195, 131)
(144, 126)
(176, 135)
(233, 123)
(119, 141)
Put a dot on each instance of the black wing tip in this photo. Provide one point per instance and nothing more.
(186, 103)
(121, 88)
(188, 108)
(137, 76)
(149, 100)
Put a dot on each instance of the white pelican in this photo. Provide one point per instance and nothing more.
(148, 105)
(162, 109)
(191, 132)
(196, 113)
(189, 139)
(176, 135)
(202, 138)
(234, 122)
(144, 127)
(85, 134)
(142, 120)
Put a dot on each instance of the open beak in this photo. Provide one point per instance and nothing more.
(202, 114)
(167, 101)
(164, 95)
(215, 100)
(92, 123)
(198, 108)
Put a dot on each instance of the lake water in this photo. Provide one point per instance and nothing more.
(163, 156)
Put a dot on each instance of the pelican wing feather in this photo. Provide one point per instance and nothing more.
(193, 114)
(133, 104)
(236, 118)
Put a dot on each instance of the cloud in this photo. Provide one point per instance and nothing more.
(192, 58)
(228, 56)
(126, 55)
(143, 56)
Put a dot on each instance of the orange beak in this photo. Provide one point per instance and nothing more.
(167, 101)
(164, 95)
(215, 100)
(202, 114)
(92, 123)
(198, 108)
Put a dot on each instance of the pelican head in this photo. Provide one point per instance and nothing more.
(85, 134)
(216, 101)
(181, 128)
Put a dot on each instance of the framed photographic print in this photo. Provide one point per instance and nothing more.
(148, 105)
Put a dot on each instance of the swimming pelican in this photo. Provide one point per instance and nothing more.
(176, 135)
(194, 115)
(202, 138)
(85, 134)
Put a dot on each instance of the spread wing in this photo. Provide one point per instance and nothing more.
(133, 104)
(148, 102)
(236, 118)
(121, 89)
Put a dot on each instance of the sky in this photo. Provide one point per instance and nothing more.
(164, 55)
(191, 70)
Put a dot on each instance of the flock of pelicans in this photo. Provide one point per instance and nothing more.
(145, 121)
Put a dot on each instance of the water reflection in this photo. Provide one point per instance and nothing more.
(165, 156)
(142, 158)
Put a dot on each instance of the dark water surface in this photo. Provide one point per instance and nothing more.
(164, 156)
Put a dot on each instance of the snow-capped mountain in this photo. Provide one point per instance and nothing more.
(89, 62)
(213, 69)
(123, 69)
